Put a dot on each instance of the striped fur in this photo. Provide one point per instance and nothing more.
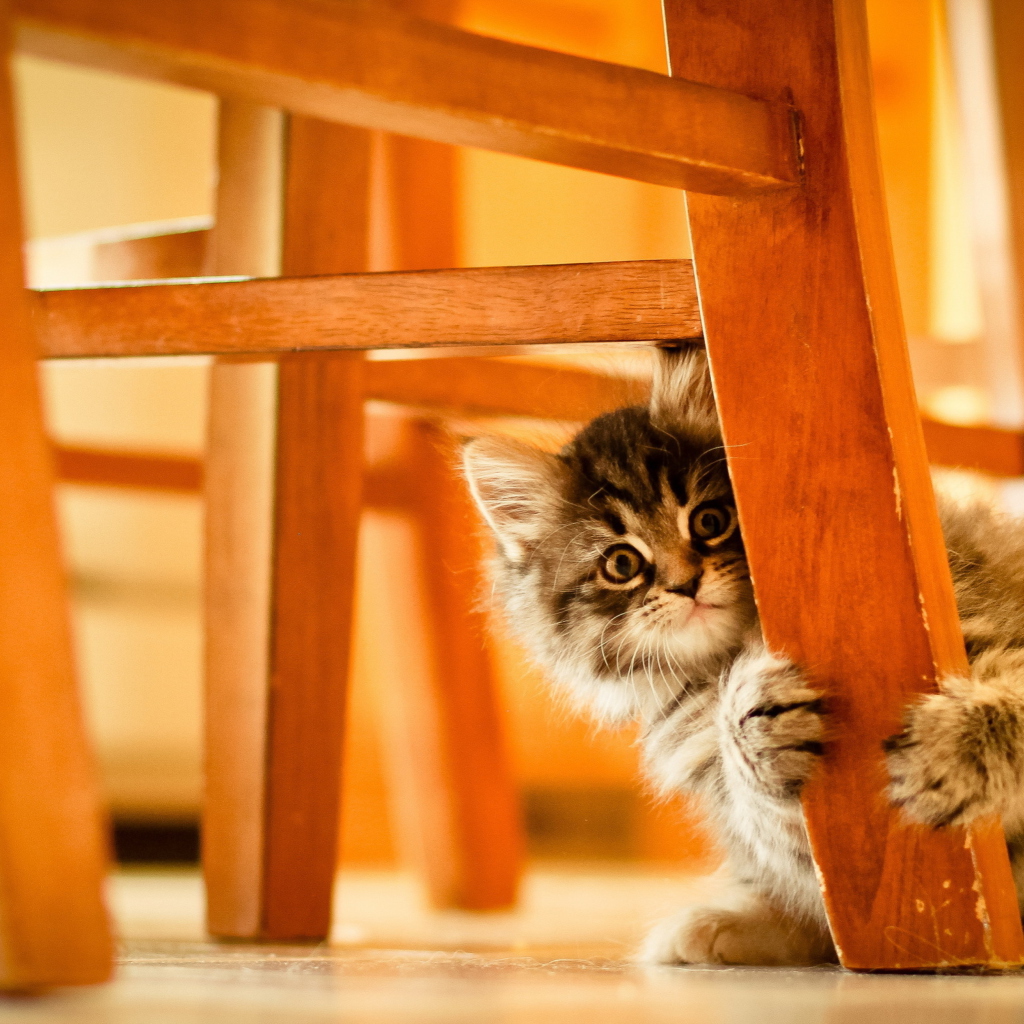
(620, 564)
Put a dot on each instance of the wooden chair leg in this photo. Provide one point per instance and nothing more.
(280, 645)
(240, 494)
(459, 815)
(813, 385)
(53, 850)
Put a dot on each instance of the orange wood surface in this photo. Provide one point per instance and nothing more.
(804, 330)
(361, 63)
(903, 69)
(457, 804)
(179, 254)
(53, 856)
(989, 450)
(318, 502)
(488, 387)
(448, 753)
(239, 521)
(648, 300)
(319, 482)
(143, 470)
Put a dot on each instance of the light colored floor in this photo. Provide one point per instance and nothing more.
(563, 956)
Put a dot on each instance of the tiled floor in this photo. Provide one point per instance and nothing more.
(562, 957)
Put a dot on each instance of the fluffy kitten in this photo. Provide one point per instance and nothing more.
(620, 563)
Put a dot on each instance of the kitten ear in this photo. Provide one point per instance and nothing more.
(682, 398)
(516, 487)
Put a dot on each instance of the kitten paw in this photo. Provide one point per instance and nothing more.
(776, 723)
(957, 757)
(712, 935)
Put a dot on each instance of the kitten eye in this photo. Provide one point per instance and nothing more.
(622, 563)
(711, 521)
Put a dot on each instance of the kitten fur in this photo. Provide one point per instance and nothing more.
(621, 566)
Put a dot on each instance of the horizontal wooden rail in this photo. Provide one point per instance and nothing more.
(990, 450)
(177, 254)
(488, 387)
(641, 301)
(124, 468)
(357, 62)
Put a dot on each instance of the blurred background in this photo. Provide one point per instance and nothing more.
(100, 152)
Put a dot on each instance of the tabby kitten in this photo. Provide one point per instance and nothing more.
(621, 565)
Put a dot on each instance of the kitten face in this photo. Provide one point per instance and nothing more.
(621, 561)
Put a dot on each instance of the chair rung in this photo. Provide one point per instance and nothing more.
(651, 300)
(134, 470)
(490, 387)
(991, 450)
(356, 62)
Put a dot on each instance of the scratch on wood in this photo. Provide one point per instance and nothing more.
(980, 905)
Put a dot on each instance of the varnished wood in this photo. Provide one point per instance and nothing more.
(804, 332)
(458, 799)
(53, 922)
(240, 494)
(650, 300)
(319, 478)
(318, 502)
(488, 387)
(989, 450)
(179, 254)
(156, 471)
(360, 63)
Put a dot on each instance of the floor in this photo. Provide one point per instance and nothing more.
(563, 956)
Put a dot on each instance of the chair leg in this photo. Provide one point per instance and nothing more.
(53, 850)
(825, 451)
(240, 493)
(278, 645)
(458, 809)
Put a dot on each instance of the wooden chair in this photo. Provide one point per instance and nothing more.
(775, 145)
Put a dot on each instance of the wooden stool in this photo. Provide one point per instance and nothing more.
(798, 309)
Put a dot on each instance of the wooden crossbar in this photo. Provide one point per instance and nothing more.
(135, 470)
(357, 62)
(641, 301)
(490, 387)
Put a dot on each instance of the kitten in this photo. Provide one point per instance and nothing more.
(620, 563)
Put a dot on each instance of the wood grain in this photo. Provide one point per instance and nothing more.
(319, 484)
(643, 301)
(361, 63)
(803, 327)
(53, 922)
(447, 751)
(318, 504)
(240, 492)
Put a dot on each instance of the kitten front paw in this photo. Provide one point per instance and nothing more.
(699, 935)
(776, 723)
(956, 759)
(713, 935)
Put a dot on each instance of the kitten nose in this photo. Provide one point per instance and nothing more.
(689, 588)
